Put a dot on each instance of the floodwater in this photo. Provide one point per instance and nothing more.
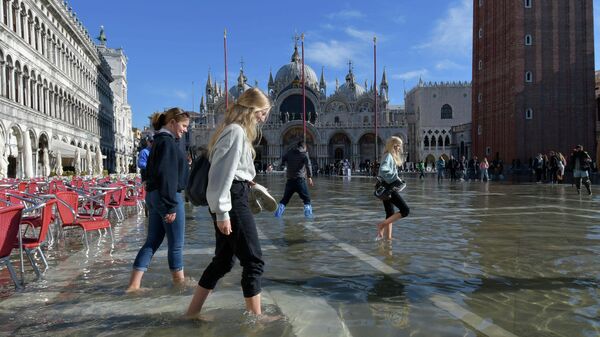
(472, 259)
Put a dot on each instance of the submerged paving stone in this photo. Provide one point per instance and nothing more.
(472, 259)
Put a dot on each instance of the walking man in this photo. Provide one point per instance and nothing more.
(299, 170)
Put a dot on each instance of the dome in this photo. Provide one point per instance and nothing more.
(241, 86)
(293, 71)
(352, 91)
(235, 91)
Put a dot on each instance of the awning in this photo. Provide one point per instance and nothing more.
(66, 150)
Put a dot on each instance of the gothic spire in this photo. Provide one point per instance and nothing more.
(271, 82)
(384, 78)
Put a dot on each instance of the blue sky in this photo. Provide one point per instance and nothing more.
(171, 44)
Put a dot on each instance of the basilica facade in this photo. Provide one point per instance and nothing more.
(57, 92)
(339, 126)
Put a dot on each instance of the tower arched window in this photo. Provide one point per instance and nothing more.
(446, 111)
(480, 65)
(528, 3)
(528, 76)
(528, 40)
(480, 34)
(528, 113)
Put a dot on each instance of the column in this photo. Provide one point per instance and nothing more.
(18, 86)
(26, 88)
(2, 71)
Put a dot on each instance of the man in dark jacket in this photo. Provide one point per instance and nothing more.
(299, 170)
(580, 163)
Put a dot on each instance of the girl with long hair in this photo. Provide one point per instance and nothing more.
(388, 171)
(229, 180)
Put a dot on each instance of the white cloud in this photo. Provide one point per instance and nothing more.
(362, 35)
(411, 74)
(332, 53)
(179, 94)
(447, 64)
(453, 33)
(346, 14)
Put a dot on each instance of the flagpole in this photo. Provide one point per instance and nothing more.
(225, 53)
(303, 93)
(375, 94)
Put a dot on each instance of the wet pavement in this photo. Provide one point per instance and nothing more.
(472, 259)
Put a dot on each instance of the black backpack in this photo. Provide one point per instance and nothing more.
(195, 190)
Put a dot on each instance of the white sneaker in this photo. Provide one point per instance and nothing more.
(265, 199)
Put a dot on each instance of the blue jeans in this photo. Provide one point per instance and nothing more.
(157, 228)
(295, 185)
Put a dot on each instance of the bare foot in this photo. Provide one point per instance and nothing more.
(380, 228)
(140, 290)
(269, 318)
(199, 317)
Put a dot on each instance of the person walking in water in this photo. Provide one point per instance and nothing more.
(299, 171)
(388, 171)
(229, 180)
(166, 176)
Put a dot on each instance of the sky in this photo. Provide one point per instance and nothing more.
(172, 45)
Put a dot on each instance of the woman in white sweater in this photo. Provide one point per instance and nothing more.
(229, 180)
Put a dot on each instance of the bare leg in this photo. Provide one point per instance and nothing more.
(178, 278)
(387, 224)
(135, 281)
(197, 302)
(253, 304)
(388, 231)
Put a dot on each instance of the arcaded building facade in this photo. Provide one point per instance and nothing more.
(533, 77)
(55, 90)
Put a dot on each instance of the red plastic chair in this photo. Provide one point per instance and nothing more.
(115, 202)
(31, 244)
(135, 197)
(56, 186)
(68, 205)
(10, 219)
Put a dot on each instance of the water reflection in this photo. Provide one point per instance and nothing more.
(524, 258)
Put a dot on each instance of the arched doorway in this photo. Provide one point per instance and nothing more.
(293, 135)
(366, 144)
(14, 146)
(42, 144)
(340, 147)
(430, 162)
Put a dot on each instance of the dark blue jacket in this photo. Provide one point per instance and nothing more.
(298, 163)
(167, 169)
